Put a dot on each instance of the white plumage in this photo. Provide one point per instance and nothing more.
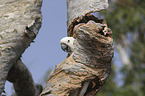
(67, 44)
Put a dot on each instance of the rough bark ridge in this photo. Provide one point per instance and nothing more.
(20, 21)
(77, 9)
(86, 69)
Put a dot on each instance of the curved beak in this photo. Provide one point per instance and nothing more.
(65, 47)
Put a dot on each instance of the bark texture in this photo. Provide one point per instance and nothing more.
(20, 21)
(86, 69)
(89, 65)
(77, 9)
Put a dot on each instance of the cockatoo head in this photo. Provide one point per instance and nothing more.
(67, 44)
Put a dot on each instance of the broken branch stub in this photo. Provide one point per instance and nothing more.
(78, 9)
(86, 69)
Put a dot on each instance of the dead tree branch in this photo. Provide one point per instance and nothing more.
(22, 80)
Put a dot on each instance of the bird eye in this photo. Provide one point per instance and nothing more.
(68, 41)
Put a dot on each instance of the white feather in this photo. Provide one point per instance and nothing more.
(68, 41)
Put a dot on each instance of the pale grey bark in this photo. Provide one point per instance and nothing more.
(82, 73)
(78, 9)
(20, 21)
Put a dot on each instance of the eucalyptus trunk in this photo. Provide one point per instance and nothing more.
(20, 21)
(84, 71)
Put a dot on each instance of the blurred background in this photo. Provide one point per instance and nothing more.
(126, 18)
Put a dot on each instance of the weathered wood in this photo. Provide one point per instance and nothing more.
(20, 21)
(89, 65)
(77, 9)
(86, 69)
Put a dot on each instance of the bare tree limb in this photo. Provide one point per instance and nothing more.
(22, 80)
(20, 21)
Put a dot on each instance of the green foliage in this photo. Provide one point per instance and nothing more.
(126, 18)
(110, 86)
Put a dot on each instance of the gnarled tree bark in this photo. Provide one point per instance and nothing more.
(87, 68)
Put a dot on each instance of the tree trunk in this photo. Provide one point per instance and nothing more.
(82, 73)
(20, 21)
(89, 65)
